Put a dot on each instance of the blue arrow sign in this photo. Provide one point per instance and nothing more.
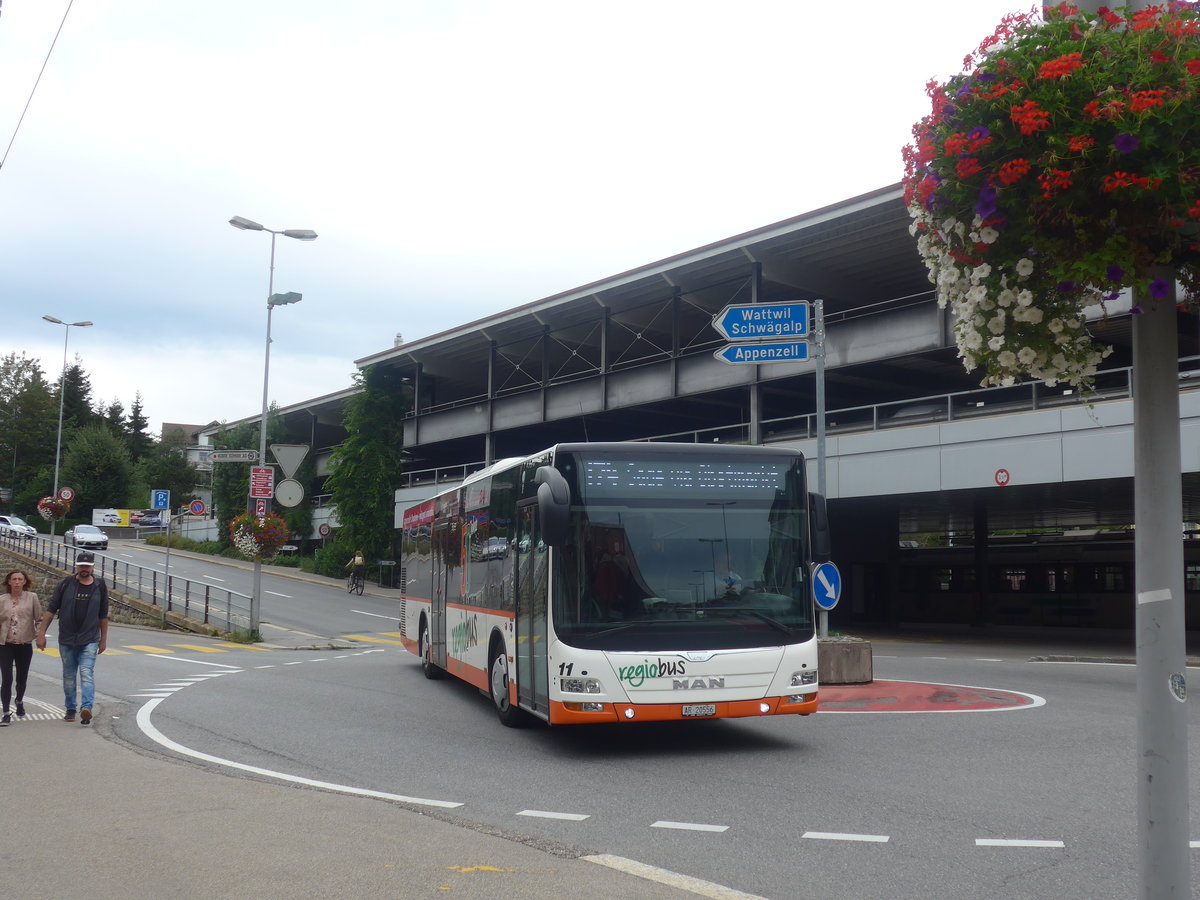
(762, 321)
(736, 354)
(826, 585)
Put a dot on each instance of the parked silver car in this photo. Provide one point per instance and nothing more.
(15, 526)
(86, 536)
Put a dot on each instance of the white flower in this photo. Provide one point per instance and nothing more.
(996, 324)
(1025, 267)
(1024, 298)
(1007, 358)
(988, 235)
(1055, 325)
(981, 272)
(1027, 356)
(977, 293)
(996, 343)
(1006, 297)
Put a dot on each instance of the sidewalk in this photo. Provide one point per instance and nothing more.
(90, 816)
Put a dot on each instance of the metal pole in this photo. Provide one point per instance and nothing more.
(256, 589)
(819, 334)
(62, 394)
(1162, 776)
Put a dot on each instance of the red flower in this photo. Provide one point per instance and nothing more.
(1110, 18)
(1054, 181)
(1014, 170)
(955, 144)
(1080, 142)
(1029, 117)
(1140, 101)
(1062, 66)
(1193, 66)
(967, 167)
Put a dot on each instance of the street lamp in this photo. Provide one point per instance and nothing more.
(62, 393)
(273, 300)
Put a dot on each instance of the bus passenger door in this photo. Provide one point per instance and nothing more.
(533, 580)
(445, 558)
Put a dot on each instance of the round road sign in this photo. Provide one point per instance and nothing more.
(196, 507)
(324, 530)
(66, 493)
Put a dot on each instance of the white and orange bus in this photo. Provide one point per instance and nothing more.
(621, 582)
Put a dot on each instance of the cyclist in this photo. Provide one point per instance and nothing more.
(356, 566)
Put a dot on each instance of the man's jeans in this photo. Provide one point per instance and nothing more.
(79, 658)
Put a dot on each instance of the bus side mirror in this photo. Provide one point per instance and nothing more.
(554, 505)
(818, 520)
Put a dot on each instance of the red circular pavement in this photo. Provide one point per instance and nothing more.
(920, 696)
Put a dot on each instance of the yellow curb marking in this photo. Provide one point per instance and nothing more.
(145, 648)
(371, 640)
(244, 647)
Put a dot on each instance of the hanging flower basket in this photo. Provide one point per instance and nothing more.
(258, 538)
(1062, 166)
(53, 509)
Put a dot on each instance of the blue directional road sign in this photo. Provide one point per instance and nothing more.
(737, 354)
(826, 585)
(762, 321)
(160, 499)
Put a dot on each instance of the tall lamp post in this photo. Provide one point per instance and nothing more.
(273, 300)
(62, 393)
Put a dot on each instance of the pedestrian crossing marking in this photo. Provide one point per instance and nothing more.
(201, 648)
(370, 639)
(398, 634)
(244, 647)
(145, 648)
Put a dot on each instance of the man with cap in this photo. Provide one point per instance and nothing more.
(81, 603)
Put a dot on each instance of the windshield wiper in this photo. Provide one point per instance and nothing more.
(761, 616)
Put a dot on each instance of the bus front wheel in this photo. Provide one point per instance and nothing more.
(509, 714)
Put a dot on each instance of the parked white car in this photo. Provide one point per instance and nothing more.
(15, 526)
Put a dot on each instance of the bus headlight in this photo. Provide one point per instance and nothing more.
(808, 676)
(581, 686)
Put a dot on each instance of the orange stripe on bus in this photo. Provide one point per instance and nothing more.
(673, 712)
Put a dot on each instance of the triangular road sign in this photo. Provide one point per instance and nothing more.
(289, 457)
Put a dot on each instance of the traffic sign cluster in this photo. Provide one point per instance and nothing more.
(760, 321)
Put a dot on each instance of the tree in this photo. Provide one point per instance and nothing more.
(164, 468)
(366, 467)
(96, 464)
(140, 442)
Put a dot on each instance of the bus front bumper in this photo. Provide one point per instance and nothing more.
(584, 712)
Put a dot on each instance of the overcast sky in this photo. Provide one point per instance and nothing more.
(456, 157)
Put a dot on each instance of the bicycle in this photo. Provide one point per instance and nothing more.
(354, 583)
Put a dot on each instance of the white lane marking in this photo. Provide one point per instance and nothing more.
(999, 842)
(933, 657)
(213, 578)
(987, 659)
(667, 877)
(1077, 662)
(143, 719)
(543, 814)
(837, 836)
(1195, 845)
(271, 666)
(298, 662)
(689, 826)
(198, 662)
(273, 594)
(157, 694)
(363, 612)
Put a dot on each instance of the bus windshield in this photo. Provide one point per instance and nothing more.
(698, 551)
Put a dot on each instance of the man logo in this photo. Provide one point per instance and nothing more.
(696, 684)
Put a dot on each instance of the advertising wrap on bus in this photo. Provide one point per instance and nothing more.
(621, 582)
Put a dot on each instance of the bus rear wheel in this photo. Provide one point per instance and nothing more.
(431, 671)
(509, 715)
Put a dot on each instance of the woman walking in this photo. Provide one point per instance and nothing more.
(20, 613)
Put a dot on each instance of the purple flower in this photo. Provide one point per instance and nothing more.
(987, 201)
(1137, 310)
(1111, 296)
(1066, 287)
(985, 76)
(978, 133)
(1125, 143)
(1159, 288)
(1115, 273)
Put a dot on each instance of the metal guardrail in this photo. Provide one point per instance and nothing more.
(219, 607)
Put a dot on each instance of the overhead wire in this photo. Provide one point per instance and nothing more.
(41, 71)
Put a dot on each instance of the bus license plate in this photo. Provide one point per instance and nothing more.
(700, 709)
